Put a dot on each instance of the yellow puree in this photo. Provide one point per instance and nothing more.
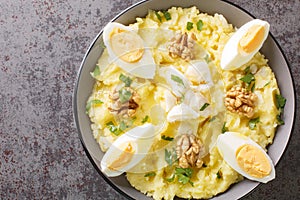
(252, 39)
(127, 45)
(253, 161)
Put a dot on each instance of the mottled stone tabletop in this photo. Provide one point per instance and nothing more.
(41, 48)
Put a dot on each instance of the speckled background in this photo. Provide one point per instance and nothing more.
(41, 48)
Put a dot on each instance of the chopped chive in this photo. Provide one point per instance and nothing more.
(177, 79)
(205, 105)
(158, 16)
(224, 128)
(150, 174)
(253, 122)
(94, 102)
(145, 119)
(167, 138)
(189, 25)
(199, 25)
(167, 15)
(125, 79)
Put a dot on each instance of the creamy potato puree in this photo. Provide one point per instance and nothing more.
(215, 176)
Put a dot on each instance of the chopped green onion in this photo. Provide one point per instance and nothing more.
(253, 122)
(177, 79)
(212, 119)
(248, 78)
(124, 95)
(279, 120)
(94, 102)
(219, 174)
(167, 138)
(167, 15)
(113, 129)
(145, 119)
(224, 128)
(189, 25)
(96, 71)
(125, 79)
(199, 25)
(171, 179)
(205, 105)
(150, 174)
(158, 16)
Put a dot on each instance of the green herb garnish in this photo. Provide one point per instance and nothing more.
(248, 78)
(171, 179)
(96, 71)
(205, 105)
(212, 119)
(177, 79)
(158, 16)
(267, 84)
(189, 25)
(253, 87)
(167, 15)
(170, 157)
(247, 70)
(116, 130)
(94, 102)
(184, 175)
(279, 120)
(167, 138)
(124, 95)
(102, 45)
(280, 101)
(113, 129)
(150, 174)
(145, 119)
(224, 128)
(199, 25)
(122, 126)
(125, 79)
(219, 174)
(253, 122)
(206, 58)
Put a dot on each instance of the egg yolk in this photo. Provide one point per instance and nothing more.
(127, 45)
(123, 159)
(252, 38)
(253, 161)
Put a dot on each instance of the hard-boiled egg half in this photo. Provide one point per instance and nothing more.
(246, 157)
(128, 150)
(126, 49)
(244, 44)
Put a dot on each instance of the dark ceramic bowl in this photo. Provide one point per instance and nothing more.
(234, 15)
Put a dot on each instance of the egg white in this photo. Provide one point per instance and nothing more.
(141, 139)
(229, 142)
(143, 68)
(231, 58)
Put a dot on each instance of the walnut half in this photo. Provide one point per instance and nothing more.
(241, 101)
(189, 151)
(181, 46)
(124, 109)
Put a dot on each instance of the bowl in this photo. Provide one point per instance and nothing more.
(234, 15)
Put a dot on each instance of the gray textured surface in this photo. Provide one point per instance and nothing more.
(42, 45)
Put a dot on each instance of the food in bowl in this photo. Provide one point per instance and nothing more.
(182, 101)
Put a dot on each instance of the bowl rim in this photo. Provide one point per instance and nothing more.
(74, 101)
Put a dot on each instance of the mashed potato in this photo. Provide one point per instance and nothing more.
(215, 176)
